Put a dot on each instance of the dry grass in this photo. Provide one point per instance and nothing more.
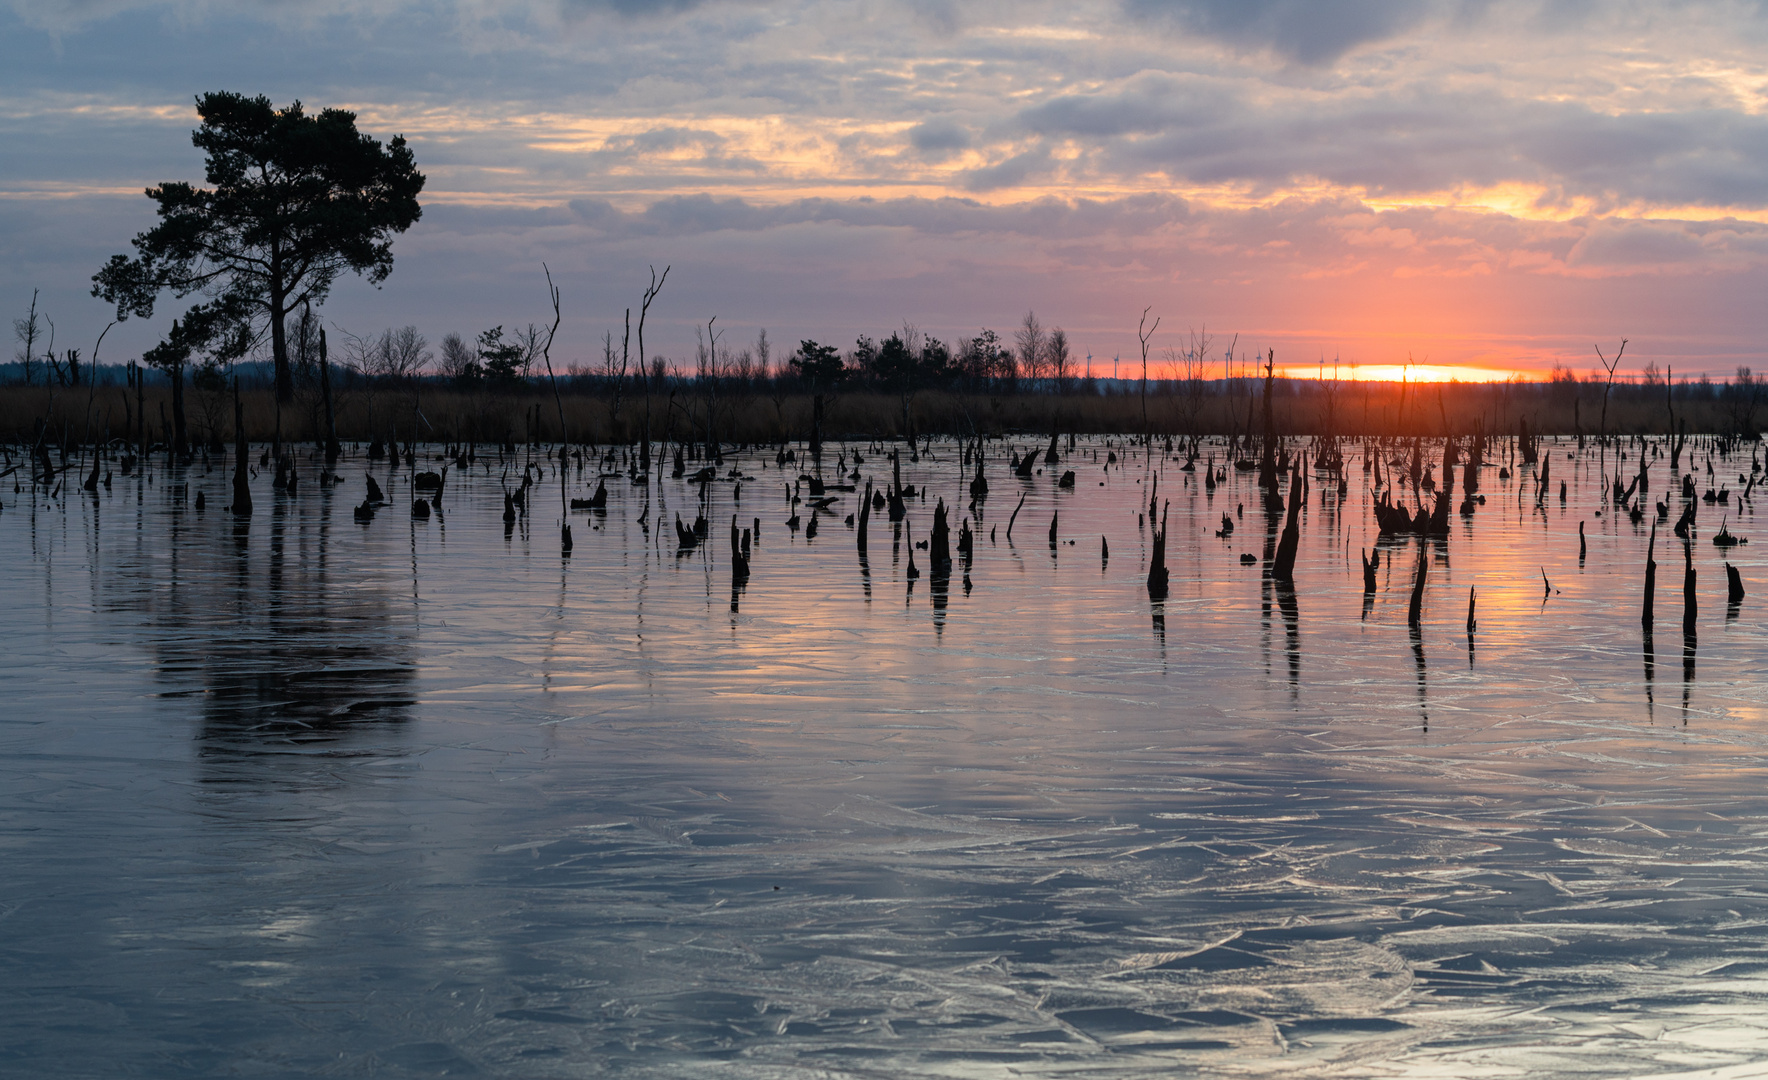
(759, 415)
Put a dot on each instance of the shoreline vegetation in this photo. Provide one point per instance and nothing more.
(713, 411)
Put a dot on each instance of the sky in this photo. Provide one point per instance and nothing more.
(1476, 185)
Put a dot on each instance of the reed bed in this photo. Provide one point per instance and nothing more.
(762, 413)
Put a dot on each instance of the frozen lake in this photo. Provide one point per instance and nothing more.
(316, 797)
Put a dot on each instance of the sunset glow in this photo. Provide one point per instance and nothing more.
(1495, 190)
(1417, 373)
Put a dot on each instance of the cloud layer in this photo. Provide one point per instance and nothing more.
(1371, 175)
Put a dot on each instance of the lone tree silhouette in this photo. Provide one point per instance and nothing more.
(295, 200)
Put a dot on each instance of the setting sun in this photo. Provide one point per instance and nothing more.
(1405, 373)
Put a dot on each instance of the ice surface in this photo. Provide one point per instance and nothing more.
(316, 798)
